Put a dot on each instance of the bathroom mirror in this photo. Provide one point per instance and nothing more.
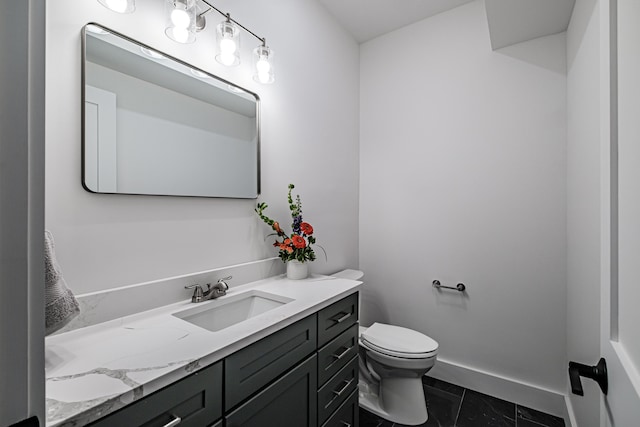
(154, 125)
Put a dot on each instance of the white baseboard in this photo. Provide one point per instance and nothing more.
(532, 396)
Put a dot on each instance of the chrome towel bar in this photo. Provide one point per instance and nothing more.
(460, 287)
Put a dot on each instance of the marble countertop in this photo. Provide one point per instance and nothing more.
(93, 371)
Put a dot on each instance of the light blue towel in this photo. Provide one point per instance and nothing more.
(61, 305)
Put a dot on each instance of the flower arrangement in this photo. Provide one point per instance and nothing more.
(296, 246)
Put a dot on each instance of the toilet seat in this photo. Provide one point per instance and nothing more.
(398, 342)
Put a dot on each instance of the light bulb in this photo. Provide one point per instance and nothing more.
(179, 17)
(181, 35)
(263, 66)
(263, 77)
(227, 58)
(227, 46)
(119, 6)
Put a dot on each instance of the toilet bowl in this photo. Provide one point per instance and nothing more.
(392, 362)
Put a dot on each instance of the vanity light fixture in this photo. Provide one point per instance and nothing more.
(263, 64)
(120, 6)
(181, 20)
(228, 42)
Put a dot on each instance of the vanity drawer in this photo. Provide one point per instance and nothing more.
(196, 400)
(337, 389)
(333, 356)
(250, 369)
(337, 318)
(347, 415)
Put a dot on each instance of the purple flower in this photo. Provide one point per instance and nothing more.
(297, 220)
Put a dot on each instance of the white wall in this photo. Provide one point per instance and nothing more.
(463, 180)
(309, 138)
(583, 202)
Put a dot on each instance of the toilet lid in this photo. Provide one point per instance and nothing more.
(398, 341)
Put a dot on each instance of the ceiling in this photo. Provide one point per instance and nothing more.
(510, 21)
(367, 19)
(515, 21)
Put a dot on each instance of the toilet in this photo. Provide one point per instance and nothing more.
(392, 362)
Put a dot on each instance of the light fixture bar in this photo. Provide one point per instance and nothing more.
(226, 15)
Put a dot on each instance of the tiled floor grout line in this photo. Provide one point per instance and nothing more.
(455, 421)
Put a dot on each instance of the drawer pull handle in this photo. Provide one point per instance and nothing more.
(174, 422)
(343, 389)
(343, 354)
(339, 393)
(344, 317)
(345, 424)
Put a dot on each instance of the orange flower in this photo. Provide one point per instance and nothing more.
(306, 228)
(277, 228)
(285, 246)
(299, 242)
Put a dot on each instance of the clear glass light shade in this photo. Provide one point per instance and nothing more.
(263, 65)
(120, 6)
(180, 20)
(228, 41)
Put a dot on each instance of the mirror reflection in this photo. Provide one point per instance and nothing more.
(154, 125)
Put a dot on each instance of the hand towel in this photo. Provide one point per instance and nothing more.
(61, 305)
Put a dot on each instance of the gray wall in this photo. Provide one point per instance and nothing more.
(309, 138)
(463, 180)
(22, 46)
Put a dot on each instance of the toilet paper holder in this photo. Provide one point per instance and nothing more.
(460, 287)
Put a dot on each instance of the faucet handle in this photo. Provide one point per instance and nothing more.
(224, 281)
(198, 293)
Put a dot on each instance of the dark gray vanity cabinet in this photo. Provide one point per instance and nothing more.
(317, 392)
(195, 401)
(347, 415)
(338, 363)
(304, 375)
(289, 401)
(250, 369)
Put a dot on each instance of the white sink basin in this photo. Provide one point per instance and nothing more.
(231, 309)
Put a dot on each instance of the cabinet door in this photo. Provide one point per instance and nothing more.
(290, 401)
(248, 370)
(195, 400)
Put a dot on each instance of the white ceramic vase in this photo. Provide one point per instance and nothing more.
(297, 270)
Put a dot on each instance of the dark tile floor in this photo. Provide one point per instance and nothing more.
(450, 405)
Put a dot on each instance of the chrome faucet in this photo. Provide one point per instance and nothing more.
(212, 292)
